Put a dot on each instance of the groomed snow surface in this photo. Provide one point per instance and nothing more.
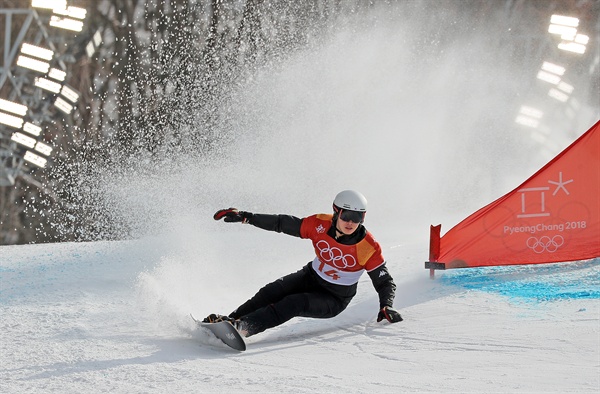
(113, 317)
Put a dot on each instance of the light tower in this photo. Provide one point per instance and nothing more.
(37, 49)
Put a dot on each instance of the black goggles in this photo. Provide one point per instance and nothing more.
(352, 216)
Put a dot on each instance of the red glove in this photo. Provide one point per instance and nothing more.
(232, 215)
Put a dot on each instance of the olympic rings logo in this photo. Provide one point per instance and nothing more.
(335, 256)
(545, 243)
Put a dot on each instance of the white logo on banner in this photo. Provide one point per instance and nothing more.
(545, 243)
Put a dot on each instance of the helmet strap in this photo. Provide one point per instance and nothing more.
(336, 214)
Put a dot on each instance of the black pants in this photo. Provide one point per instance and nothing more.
(302, 293)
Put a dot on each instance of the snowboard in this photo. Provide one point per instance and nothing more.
(225, 332)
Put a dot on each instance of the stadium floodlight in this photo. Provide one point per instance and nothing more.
(565, 87)
(69, 93)
(558, 95)
(32, 129)
(33, 64)
(572, 47)
(566, 27)
(32, 50)
(48, 85)
(564, 20)
(63, 105)
(527, 121)
(44, 149)
(93, 45)
(531, 112)
(548, 77)
(71, 12)
(49, 4)
(553, 68)
(529, 116)
(581, 39)
(563, 31)
(11, 120)
(90, 49)
(66, 23)
(22, 139)
(569, 36)
(57, 74)
(35, 159)
(97, 38)
(15, 108)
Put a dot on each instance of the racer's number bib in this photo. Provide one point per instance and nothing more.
(334, 275)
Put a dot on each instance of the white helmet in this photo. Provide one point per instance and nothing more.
(350, 200)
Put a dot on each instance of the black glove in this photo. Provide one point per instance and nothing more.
(232, 215)
(390, 314)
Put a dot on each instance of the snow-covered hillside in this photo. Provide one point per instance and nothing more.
(113, 317)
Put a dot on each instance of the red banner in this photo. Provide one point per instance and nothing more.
(554, 216)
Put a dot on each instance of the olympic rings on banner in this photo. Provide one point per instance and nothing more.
(335, 256)
(545, 243)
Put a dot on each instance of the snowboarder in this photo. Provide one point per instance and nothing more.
(324, 287)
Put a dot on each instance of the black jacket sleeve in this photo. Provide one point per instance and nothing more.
(384, 285)
(286, 224)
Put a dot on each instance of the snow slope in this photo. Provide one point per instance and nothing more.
(113, 317)
(426, 132)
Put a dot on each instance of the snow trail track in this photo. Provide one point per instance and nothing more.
(102, 317)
